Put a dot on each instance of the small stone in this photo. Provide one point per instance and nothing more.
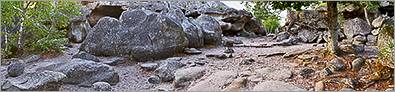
(326, 72)
(358, 48)
(337, 65)
(229, 50)
(247, 61)
(359, 39)
(389, 89)
(319, 86)
(192, 51)
(372, 40)
(238, 41)
(154, 80)
(183, 77)
(376, 23)
(149, 66)
(216, 55)
(236, 84)
(375, 32)
(346, 89)
(349, 82)
(306, 72)
(371, 90)
(101, 86)
(357, 64)
(200, 62)
(16, 68)
(115, 61)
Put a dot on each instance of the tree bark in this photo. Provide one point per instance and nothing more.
(332, 27)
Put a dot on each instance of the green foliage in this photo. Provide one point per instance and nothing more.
(44, 24)
(268, 11)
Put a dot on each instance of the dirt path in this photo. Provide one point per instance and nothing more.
(134, 78)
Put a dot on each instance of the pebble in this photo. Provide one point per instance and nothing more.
(154, 80)
(247, 61)
(229, 50)
(101, 86)
(192, 51)
(357, 64)
(337, 65)
(149, 66)
(306, 72)
(319, 86)
(216, 55)
(326, 72)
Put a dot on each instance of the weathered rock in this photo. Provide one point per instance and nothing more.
(154, 80)
(276, 74)
(15, 69)
(83, 72)
(326, 72)
(217, 55)
(275, 86)
(288, 42)
(378, 22)
(357, 64)
(192, 51)
(247, 61)
(358, 48)
(359, 39)
(319, 86)
(337, 65)
(371, 40)
(86, 56)
(214, 82)
(166, 69)
(32, 58)
(79, 28)
(255, 26)
(194, 32)
(116, 61)
(349, 82)
(212, 32)
(306, 72)
(163, 38)
(282, 36)
(183, 77)
(149, 66)
(236, 84)
(356, 26)
(375, 32)
(101, 86)
(308, 36)
(35, 81)
(229, 50)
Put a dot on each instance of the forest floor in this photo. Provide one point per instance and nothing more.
(132, 77)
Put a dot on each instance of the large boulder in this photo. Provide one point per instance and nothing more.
(308, 36)
(83, 72)
(130, 36)
(212, 32)
(255, 26)
(35, 81)
(353, 27)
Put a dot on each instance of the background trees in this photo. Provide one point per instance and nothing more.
(35, 26)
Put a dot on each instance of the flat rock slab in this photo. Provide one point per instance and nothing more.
(275, 74)
(275, 86)
(214, 82)
(36, 81)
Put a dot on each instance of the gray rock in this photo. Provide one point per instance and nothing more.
(326, 71)
(376, 23)
(375, 32)
(357, 64)
(83, 72)
(276, 74)
(15, 69)
(163, 38)
(86, 56)
(194, 33)
(306, 72)
(288, 42)
(35, 81)
(247, 61)
(183, 77)
(255, 26)
(229, 50)
(192, 51)
(116, 61)
(270, 85)
(353, 27)
(154, 80)
(349, 82)
(372, 40)
(101, 86)
(358, 48)
(359, 39)
(149, 66)
(212, 32)
(337, 65)
(78, 30)
(217, 55)
(166, 69)
(308, 36)
(282, 36)
(214, 82)
(32, 58)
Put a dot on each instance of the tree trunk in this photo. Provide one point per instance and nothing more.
(20, 36)
(366, 15)
(332, 27)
